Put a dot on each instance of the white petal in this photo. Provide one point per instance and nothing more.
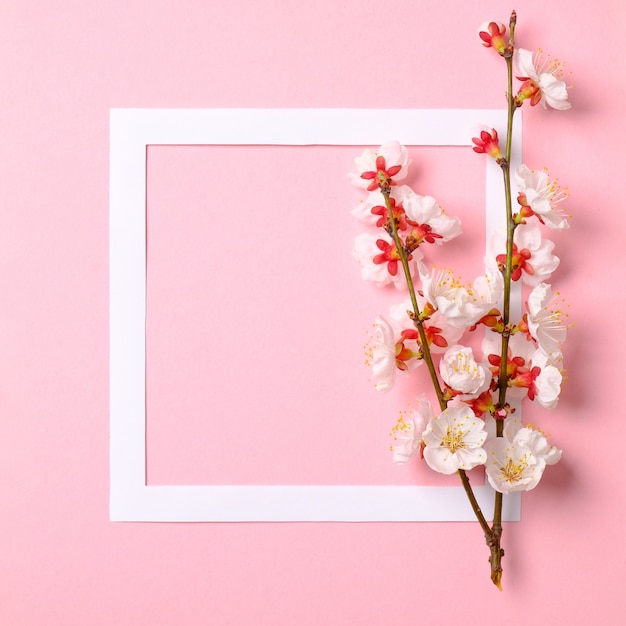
(524, 65)
(554, 92)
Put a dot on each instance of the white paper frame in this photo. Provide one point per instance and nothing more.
(131, 131)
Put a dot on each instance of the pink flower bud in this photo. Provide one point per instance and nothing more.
(488, 144)
(492, 35)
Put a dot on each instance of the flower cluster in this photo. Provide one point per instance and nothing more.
(448, 311)
(418, 219)
(479, 382)
(541, 76)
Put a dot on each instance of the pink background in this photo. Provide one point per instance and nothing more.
(64, 65)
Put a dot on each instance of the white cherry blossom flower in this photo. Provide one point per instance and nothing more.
(447, 226)
(380, 261)
(532, 261)
(517, 460)
(542, 80)
(538, 444)
(373, 210)
(540, 375)
(462, 373)
(461, 305)
(486, 291)
(542, 196)
(363, 210)
(530, 372)
(438, 284)
(453, 440)
(545, 320)
(391, 161)
(408, 352)
(439, 333)
(419, 208)
(423, 211)
(511, 466)
(408, 430)
(548, 383)
(380, 355)
(439, 327)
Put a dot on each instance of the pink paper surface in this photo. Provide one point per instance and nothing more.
(64, 66)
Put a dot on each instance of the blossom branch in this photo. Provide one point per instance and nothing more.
(425, 349)
(426, 353)
(510, 224)
(520, 358)
(493, 538)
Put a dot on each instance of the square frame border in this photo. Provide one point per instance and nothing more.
(131, 132)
